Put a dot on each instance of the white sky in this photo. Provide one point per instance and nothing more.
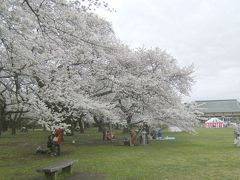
(205, 33)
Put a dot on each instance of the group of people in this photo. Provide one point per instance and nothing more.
(141, 135)
(54, 142)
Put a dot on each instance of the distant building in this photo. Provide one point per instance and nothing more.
(223, 109)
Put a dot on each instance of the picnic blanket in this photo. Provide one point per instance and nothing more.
(166, 138)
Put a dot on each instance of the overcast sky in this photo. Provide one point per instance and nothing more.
(205, 33)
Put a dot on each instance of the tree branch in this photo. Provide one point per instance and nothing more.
(102, 93)
(35, 13)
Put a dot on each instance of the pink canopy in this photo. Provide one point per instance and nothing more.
(214, 123)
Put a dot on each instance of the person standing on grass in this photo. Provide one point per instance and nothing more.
(50, 143)
(59, 134)
(237, 135)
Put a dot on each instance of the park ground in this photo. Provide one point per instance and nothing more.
(209, 154)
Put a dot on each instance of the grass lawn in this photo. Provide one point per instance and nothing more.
(209, 154)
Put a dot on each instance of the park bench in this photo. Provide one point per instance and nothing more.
(51, 171)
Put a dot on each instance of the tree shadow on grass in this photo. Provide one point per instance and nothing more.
(86, 176)
(75, 176)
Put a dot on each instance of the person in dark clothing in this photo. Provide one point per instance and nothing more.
(50, 143)
(146, 128)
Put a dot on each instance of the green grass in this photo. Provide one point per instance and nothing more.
(209, 154)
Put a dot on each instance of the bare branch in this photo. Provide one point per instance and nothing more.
(102, 93)
(36, 14)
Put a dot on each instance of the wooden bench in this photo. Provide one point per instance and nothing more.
(52, 170)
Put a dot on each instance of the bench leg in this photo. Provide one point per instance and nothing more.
(52, 175)
(67, 170)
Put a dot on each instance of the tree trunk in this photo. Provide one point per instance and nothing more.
(104, 131)
(128, 128)
(117, 126)
(81, 124)
(33, 126)
(100, 128)
(99, 123)
(13, 126)
(2, 116)
(69, 120)
(14, 121)
(1, 120)
(5, 125)
(72, 128)
(0, 124)
(13, 129)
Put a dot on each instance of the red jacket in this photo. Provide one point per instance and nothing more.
(59, 134)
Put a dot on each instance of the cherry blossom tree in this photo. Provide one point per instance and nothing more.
(48, 44)
(147, 85)
(61, 61)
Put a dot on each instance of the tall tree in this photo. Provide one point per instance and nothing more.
(59, 60)
(51, 46)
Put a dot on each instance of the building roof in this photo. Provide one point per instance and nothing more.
(214, 120)
(219, 106)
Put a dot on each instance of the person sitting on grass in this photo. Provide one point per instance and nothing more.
(159, 134)
(109, 135)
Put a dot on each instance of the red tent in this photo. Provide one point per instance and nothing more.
(214, 123)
